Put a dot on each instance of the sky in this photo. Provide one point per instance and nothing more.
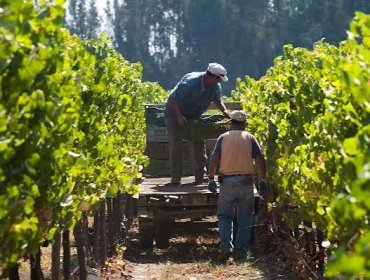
(100, 4)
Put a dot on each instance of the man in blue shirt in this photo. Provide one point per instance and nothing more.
(188, 100)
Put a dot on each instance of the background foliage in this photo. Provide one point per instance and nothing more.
(172, 37)
(71, 124)
(311, 112)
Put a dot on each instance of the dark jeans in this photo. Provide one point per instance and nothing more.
(176, 152)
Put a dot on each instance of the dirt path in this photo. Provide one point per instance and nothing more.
(192, 256)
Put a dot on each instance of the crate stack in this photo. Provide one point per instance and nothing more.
(157, 144)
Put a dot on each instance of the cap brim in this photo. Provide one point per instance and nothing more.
(224, 78)
(239, 121)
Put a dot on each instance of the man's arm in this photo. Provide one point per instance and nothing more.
(215, 157)
(212, 186)
(213, 167)
(261, 164)
(258, 156)
(221, 106)
(262, 186)
(181, 120)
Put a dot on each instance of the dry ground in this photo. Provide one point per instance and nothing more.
(192, 256)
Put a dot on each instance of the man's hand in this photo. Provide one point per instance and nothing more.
(212, 186)
(263, 188)
(181, 120)
(226, 114)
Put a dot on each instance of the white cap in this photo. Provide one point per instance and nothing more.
(218, 70)
(238, 116)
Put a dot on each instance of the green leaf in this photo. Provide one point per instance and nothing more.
(353, 264)
(28, 206)
(351, 145)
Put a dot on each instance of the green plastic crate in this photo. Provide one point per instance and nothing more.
(155, 133)
(160, 150)
(154, 115)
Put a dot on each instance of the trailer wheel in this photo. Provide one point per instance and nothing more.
(146, 233)
(162, 232)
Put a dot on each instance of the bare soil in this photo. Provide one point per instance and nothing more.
(192, 256)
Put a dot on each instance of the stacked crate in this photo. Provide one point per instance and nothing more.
(157, 144)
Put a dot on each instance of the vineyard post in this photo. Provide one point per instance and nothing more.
(55, 257)
(102, 233)
(118, 219)
(36, 271)
(96, 247)
(110, 221)
(321, 253)
(66, 256)
(79, 238)
(13, 272)
(130, 209)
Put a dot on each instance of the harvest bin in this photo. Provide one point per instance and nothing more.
(207, 127)
(156, 133)
(154, 115)
(160, 150)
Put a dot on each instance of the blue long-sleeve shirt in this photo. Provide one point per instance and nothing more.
(192, 97)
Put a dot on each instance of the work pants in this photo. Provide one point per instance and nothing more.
(235, 191)
(175, 142)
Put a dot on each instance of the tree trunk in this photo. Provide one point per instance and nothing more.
(55, 258)
(66, 256)
(117, 218)
(102, 233)
(36, 271)
(80, 241)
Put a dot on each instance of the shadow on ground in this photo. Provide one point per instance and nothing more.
(183, 248)
(196, 248)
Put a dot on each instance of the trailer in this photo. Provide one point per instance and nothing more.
(161, 205)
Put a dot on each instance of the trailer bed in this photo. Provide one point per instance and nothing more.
(162, 186)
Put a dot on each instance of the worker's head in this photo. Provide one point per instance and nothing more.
(238, 119)
(214, 74)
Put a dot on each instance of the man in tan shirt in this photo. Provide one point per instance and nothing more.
(236, 150)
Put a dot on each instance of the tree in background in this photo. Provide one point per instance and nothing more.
(92, 21)
(172, 37)
(82, 18)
